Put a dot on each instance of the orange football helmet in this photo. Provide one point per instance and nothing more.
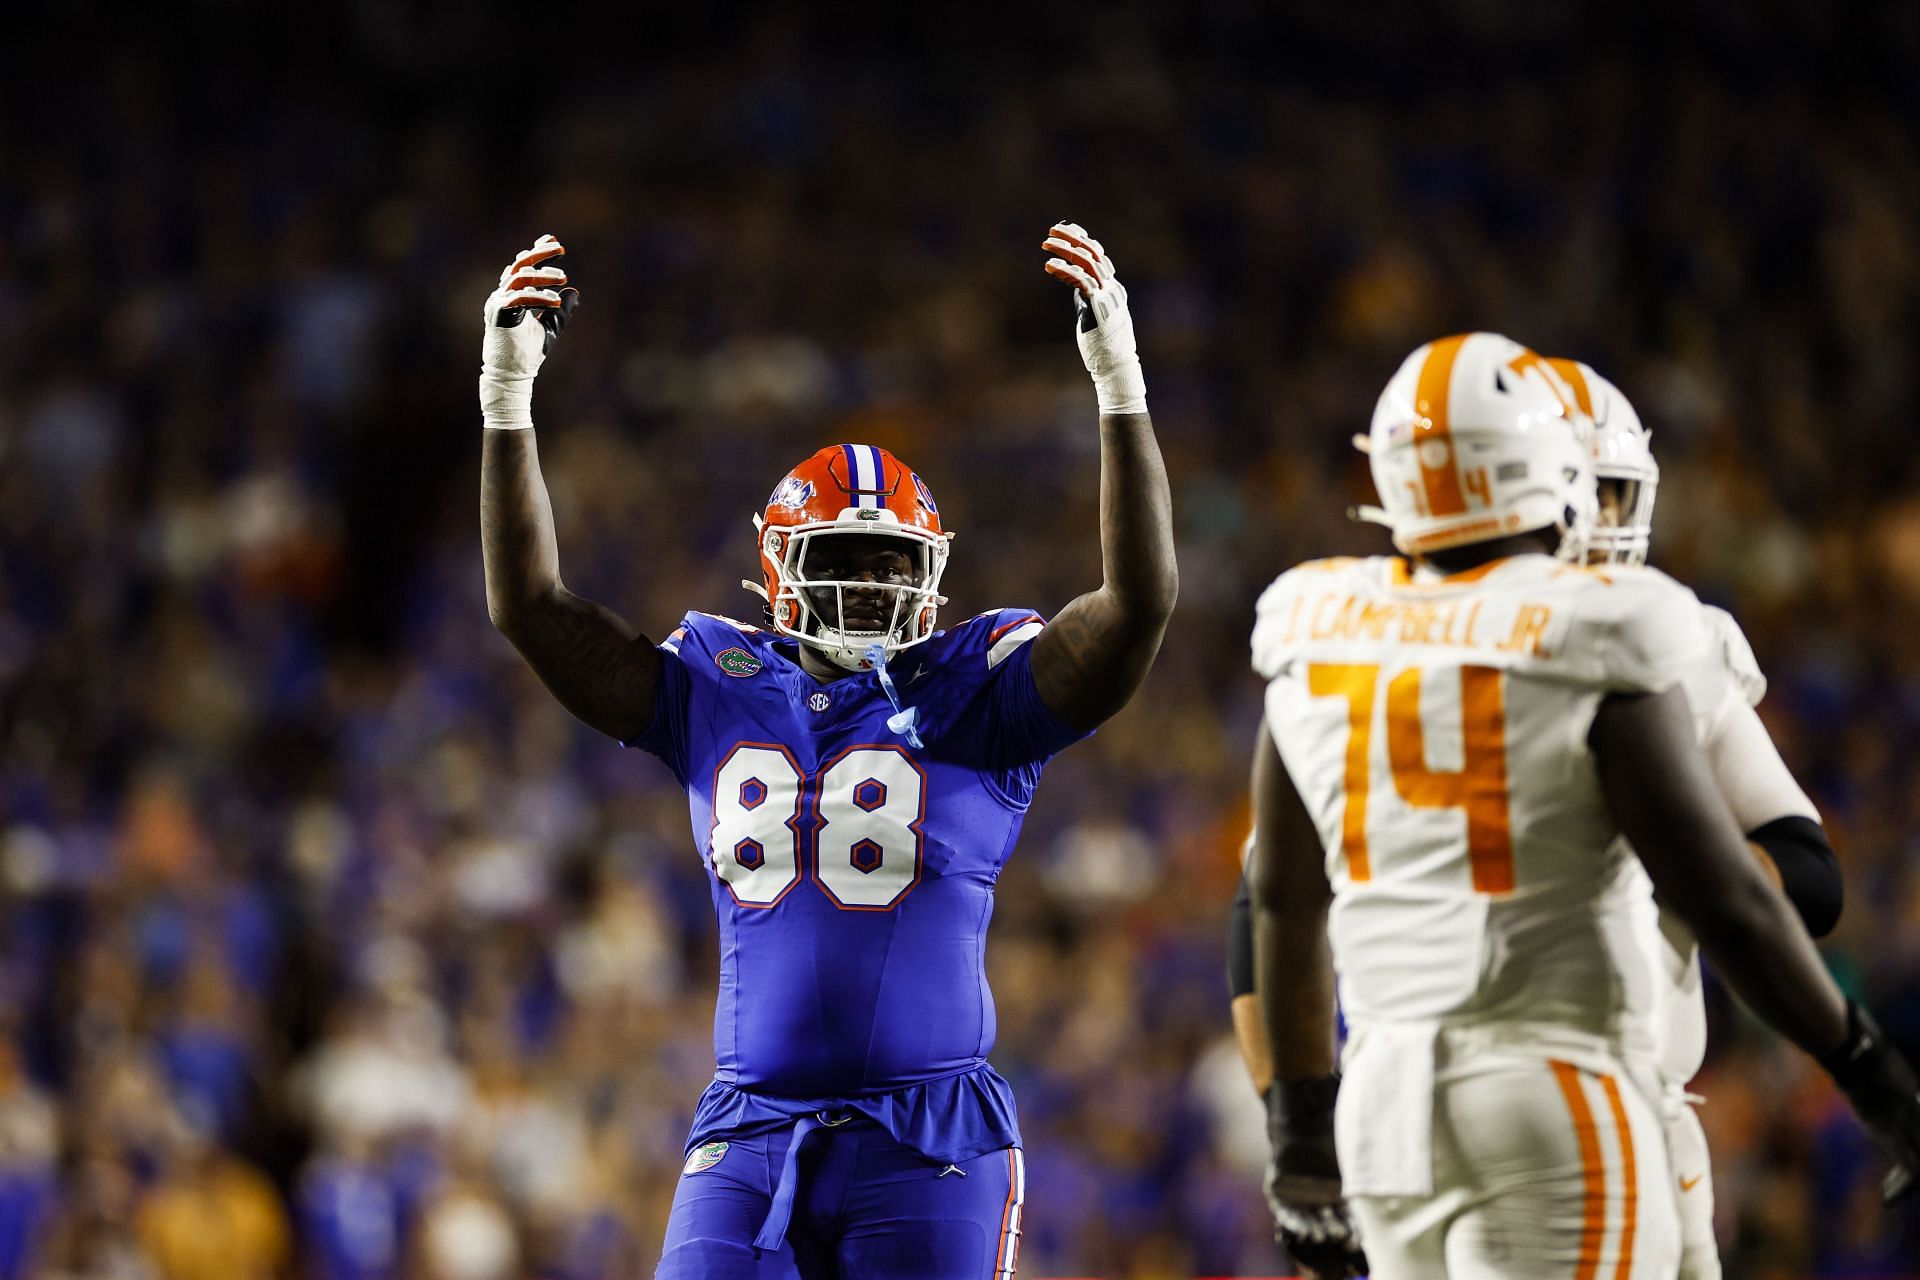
(850, 489)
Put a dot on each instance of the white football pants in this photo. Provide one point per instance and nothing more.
(1542, 1170)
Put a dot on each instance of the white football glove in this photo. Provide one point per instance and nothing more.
(511, 351)
(1105, 328)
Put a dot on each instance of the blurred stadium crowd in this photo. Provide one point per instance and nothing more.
(331, 948)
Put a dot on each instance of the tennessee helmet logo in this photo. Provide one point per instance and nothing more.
(793, 493)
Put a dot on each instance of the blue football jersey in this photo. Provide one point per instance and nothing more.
(853, 871)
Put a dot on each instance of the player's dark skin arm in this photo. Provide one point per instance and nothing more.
(1094, 654)
(1661, 791)
(1292, 962)
(600, 668)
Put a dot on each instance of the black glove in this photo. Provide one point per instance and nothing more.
(1885, 1095)
(535, 281)
(553, 319)
(1310, 1216)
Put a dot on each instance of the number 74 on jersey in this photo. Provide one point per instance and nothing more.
(1478, 787)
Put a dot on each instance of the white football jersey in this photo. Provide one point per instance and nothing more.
(1437, 731)
(1722, 688)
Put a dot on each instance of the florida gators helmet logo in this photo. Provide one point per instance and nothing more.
(850, 489)
(926, 494)
(793, 492)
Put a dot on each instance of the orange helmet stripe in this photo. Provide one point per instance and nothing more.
(1431, 398)
(1570, 371)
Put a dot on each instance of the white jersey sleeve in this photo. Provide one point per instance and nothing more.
(1755, 780)
(1723, 688)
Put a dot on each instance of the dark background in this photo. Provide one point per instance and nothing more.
(331, 948)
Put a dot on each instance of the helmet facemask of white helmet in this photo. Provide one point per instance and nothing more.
(1626, 478)
(848, 589)
(1475, 439)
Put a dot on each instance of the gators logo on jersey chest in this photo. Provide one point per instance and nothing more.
(737, 662)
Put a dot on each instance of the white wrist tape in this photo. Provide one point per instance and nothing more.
(1105, 337)
(511, 356)
(506, 401)
(1123, 389)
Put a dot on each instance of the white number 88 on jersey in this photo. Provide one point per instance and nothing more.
(862, 815)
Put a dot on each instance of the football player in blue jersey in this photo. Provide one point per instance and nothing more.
(855, 779)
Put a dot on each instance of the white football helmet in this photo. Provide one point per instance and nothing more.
(1475, 438)
(1623, 453)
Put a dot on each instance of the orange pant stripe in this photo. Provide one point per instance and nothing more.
(1593, 1215)
(1630, 1197)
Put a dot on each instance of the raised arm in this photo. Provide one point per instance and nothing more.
(600, 668)
(1096, 652)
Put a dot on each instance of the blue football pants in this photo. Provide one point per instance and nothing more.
(857, 1205)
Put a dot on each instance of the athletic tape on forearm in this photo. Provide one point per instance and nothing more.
(506, 402)
(1122, 390)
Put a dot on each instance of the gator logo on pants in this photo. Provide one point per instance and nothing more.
(704, 1157)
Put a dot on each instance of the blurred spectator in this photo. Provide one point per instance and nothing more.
(29, 1151)
(210, 1216)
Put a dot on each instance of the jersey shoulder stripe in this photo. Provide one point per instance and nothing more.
(1009, 636)
(988, 638)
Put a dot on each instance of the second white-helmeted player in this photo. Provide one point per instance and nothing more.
(1779, 821)
(1455, 742)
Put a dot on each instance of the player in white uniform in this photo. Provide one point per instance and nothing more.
(1457, 741)
(1780, 822)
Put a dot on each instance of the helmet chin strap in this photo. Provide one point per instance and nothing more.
(904, 721)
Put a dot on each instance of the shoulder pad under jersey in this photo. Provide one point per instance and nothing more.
(709, 634)
(1645, 628)
(1732, 647)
